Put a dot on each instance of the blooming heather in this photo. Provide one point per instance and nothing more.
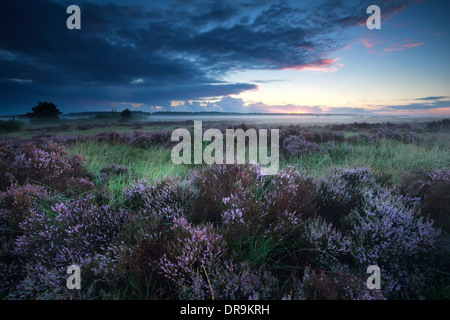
(389, 231)
(224, 232)
(195, 249)
(72, 232)
(297, 146)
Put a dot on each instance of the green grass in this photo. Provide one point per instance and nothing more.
(151, 164)
(389, 159)
(258, 250)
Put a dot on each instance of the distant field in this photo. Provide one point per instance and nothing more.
(87, 125)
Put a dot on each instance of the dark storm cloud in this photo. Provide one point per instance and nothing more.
(52, 54)
(153, 53)
(436, 104)
(433, 98)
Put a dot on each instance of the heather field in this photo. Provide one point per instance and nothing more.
(104, 195)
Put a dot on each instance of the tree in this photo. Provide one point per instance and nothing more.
(126, 114)
(45, 110)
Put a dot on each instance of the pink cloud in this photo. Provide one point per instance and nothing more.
(398, 46)
(326, 65)
(366, 42)
(371, 43)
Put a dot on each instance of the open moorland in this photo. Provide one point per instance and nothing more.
(104, 194)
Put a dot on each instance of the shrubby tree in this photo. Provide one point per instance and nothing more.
(10, 125)
(126, 114)
(44, 110)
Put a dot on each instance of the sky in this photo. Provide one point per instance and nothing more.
(292, 56)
